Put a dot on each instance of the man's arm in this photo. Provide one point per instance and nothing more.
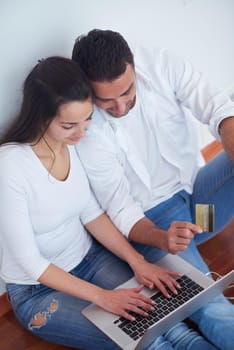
(174, 240)
(226, 130)
(207, 103)
(112, 189)
(109, 183)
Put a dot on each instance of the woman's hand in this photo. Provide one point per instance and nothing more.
(151, 275)
(121, 301)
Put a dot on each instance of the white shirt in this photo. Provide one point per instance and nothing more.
(41, 218)
(166, 177)
(138, 161)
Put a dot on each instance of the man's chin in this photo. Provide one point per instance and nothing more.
(129, 106)
(117, 115)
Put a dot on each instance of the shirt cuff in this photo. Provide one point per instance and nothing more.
(126, 219)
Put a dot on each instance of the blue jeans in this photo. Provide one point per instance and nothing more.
(63, 322)
(214, 185)
(180, 337)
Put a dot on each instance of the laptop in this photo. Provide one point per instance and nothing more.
(197, 289)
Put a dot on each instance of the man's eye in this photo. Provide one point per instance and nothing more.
(126, 93)
(103, 100)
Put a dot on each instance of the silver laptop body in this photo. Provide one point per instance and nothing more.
(105, 320)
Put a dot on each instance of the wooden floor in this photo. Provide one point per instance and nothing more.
(217, 252)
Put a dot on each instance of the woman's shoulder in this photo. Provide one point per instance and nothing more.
(13, 157)
(9, 151)
(17, 167)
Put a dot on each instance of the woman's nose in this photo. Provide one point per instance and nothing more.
(82, 131)
(83, 128)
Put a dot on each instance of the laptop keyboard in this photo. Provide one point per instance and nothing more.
(163, 306)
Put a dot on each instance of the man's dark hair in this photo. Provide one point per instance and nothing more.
(102, 54)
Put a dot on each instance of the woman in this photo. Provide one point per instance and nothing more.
(51, 265)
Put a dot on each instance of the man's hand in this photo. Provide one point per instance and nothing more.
(179, 235)
(174, 240)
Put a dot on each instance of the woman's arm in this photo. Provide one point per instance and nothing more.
(118, 301)
(148, 274)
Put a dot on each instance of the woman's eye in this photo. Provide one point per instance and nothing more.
(67, 127)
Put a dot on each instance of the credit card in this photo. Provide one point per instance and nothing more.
(205, 217)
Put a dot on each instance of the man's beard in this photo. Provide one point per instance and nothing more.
(129, 105)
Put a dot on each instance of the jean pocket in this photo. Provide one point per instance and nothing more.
(18, 294)
(176, 208)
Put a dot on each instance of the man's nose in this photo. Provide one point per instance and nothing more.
(120, 106)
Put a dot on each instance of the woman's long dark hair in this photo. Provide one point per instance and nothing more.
(52, 82)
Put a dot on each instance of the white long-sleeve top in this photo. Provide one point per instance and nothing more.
(137, 161)
(41, 218)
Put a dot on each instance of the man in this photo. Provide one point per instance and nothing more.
(141, 153)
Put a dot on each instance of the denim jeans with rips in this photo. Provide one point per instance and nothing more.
(62, 321)
(59, 319)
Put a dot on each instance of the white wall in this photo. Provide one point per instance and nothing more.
(200, 30)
